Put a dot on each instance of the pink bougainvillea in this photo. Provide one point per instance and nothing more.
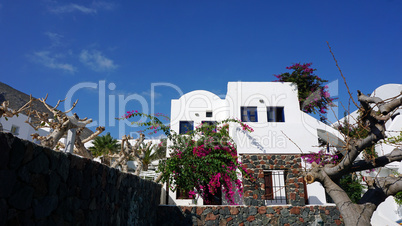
(321, 158)
(314, 97)
(205, 161)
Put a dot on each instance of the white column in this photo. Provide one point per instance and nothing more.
(70, 140)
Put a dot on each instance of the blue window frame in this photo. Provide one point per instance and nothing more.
(186, 126)
(275, 114)
(249, 114)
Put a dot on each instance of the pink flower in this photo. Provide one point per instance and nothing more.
(191, 194)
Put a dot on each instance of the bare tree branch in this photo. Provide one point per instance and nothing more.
(352, 213)
(344, 79)
(394, 156)
(380, 188)
(126, 151)
(6, 112)
(99, 130)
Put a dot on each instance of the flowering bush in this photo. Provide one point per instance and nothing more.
(313, 95)
(203, 161)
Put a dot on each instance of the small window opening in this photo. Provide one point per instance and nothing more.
(249, 114)
(275, 114)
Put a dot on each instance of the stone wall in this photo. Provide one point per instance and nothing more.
(41, 186)
(44, 187)
(252, 215)
(256, 164)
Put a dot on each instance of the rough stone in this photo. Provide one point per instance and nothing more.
(40, 164)
(7, 181)
(252, 210)
(64, 167)
(234, 210)
(24, 174)
(285, 212)
(45, 206)
(210, 216)
(3, 212)
(262, 209)
(250, 218)
(40, 185)
(227, 212)
(54, 182)
(4, 151)
(270, 210)
(266, 221)
(46, 190)
(22, 198)
(243, 217)
(16, 154)
(295, 210)
(207, 211)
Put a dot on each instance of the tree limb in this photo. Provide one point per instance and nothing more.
(126, 151)
(353, 214)
(99, 130)
(394, 156)
(80, 148)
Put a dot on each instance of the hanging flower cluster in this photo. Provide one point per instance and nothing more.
(313, 95)
(204, 162)
(321, 158)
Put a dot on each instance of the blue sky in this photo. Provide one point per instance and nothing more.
(52, 46)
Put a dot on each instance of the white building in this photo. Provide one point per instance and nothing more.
(281, 131)
(18, 127)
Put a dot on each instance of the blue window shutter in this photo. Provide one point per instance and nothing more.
(249, 114)
(186, 126)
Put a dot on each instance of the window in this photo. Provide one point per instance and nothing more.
(208, 114)
(249, 114)
(186, 126)
(275, 114)
(14, 129)
(275, 190)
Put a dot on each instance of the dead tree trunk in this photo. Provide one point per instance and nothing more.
(59, 127)
(375, 112)
(80, 148)
(127, 151)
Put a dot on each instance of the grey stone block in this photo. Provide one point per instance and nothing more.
(22, 198)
